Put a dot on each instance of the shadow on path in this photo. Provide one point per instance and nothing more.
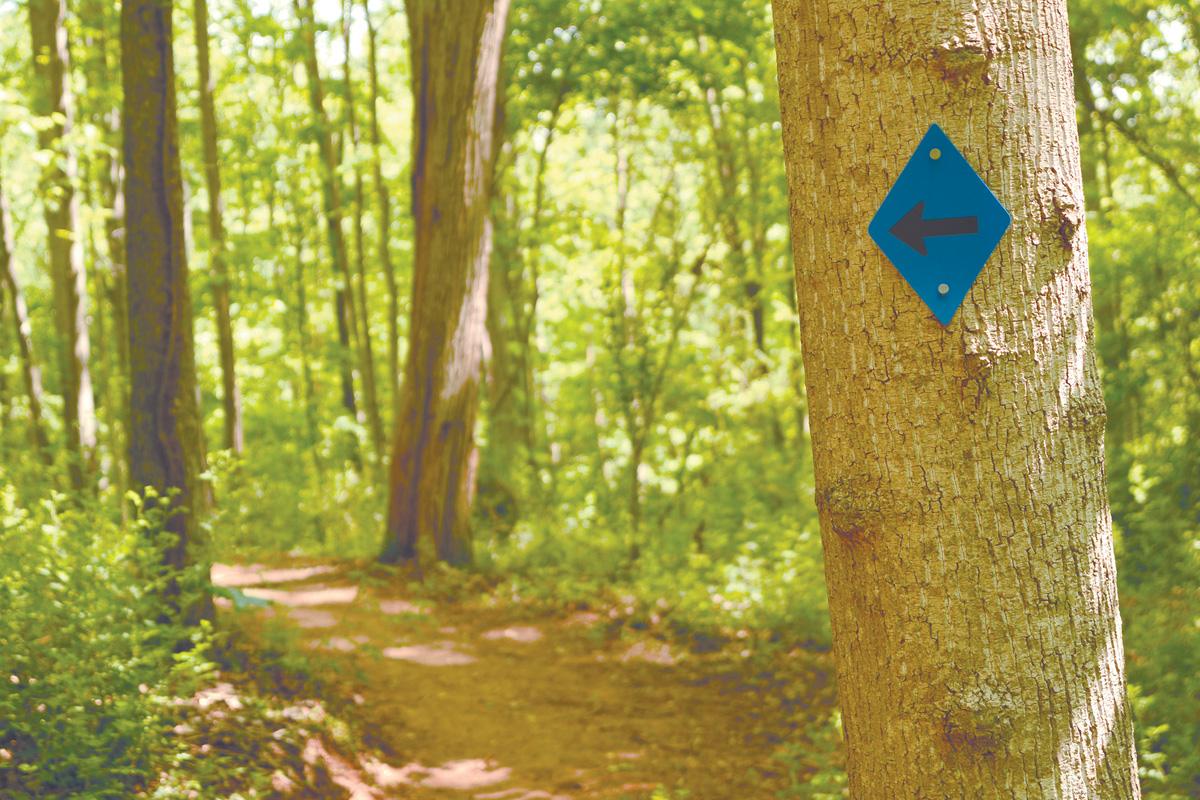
(484, 698)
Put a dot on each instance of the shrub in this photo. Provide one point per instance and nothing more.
(86, 671)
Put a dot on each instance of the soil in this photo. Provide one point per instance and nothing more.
(466, 694)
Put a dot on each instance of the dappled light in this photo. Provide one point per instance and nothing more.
(252, 574)
(521, 633)
(512, 709)
(462, 775)
(315, 596)
(435, 654)
(559, 400)
(400, 607)
(654, 653)
(338, 643)
(312, 617)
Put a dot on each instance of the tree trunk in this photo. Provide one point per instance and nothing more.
(331, 203)
(51, 66)
(312, 427)
(366, 354)
(165, 444)
(745, 262)
(231, 400)
(29, 369)
(101, 101)
(114, 472)
(516, 455)
(959, 468)
(385, 226)
(455, 49)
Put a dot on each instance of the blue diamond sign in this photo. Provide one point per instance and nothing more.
(939, 224)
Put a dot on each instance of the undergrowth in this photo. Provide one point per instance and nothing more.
(105, 695)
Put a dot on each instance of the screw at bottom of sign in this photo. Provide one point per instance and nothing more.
(943, 289)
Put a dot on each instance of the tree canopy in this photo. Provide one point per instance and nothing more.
(642, 429)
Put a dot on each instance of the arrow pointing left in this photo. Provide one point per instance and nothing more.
(913, 229)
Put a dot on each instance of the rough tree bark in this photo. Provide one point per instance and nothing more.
(51, 66)
(165, 444)
(29, 369)
(959, 469)
(231, 401)
(455, 48)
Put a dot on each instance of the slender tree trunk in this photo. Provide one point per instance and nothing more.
(24, 334)
(623, 309)
(117, 293)
(515, 417)
(311, 423)
(331, 204)
(746, 262)
(455, 48)
(384, 201)
(51, 66)
(114, 474)
(165, 443)
(231, 400)
(959, 468)
(366, 354)
(5, 401)
(97, 19)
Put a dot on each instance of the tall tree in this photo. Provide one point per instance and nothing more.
(455, 48)
(514, 415)
(16, 298)
(165, 441)
(331, 202)
(384, 203)
(100, 104)
(366, 353)
(959, 469)
(231, 401)
(53, 99)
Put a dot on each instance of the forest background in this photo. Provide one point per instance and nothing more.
(643, 423)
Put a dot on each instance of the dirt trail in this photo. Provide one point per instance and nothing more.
(487, 700)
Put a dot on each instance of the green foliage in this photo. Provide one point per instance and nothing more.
(268, 506)
(816, 762)
(645, 419)
(88, 649)
(773, 591)
(1140, 131)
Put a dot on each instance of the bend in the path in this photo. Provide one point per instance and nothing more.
(482, 700)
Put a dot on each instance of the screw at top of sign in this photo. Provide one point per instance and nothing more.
(943, 288)
(935, 154)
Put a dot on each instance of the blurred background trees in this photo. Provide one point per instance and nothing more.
(642, 420)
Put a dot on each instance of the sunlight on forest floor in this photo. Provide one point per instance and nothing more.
(495, 700)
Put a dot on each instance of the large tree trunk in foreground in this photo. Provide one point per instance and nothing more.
(959, 469)
(231, 401)
(51, 65)
(455, 47)
(165, 444)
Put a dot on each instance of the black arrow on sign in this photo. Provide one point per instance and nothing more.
(913, 230)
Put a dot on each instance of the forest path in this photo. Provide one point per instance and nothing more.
(477, 697)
